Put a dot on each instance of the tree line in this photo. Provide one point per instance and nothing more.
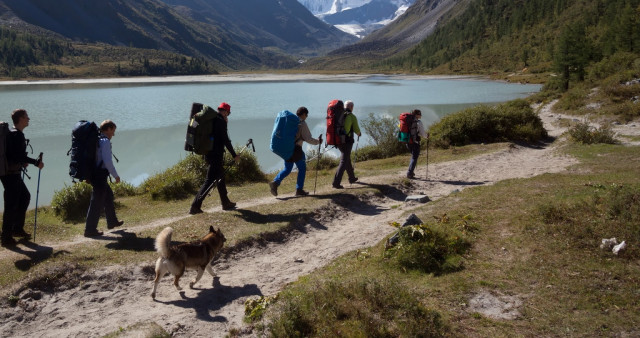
(509, 35)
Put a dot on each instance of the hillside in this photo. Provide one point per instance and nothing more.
(505, 36)
(284, 26)
(227, 34)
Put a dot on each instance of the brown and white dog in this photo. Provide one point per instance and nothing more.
(176, 258)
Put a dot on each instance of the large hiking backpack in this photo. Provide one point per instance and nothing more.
(283, 137)
(199, 132)
(84, 142)
(335, 123)
(4, 132)
(408, 128)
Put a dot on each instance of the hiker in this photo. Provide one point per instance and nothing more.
(16, 194)
(298, 158)
(351, 127)
(215, 173)
(414, 147)
(102, 195)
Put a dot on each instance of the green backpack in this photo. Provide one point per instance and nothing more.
(199, 132)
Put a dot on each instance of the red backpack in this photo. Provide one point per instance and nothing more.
(408, 128)
(335, 123)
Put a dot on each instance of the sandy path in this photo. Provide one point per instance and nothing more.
(116, 297)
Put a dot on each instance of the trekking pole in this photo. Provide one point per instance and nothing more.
(35, 220)
(215, 182)
(317, 166)
(355, 155)
(427, 177)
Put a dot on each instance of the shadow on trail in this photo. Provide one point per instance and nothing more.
(387, 190)
(258, 218)
(463, 183)
(37, 254)
(130, 241)
(213, 299)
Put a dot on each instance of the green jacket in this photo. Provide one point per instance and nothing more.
(351, 125)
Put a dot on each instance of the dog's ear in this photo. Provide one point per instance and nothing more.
(211, 228)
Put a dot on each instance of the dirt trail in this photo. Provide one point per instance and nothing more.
(117, 297)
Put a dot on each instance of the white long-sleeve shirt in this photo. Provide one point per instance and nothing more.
(103, 154)
(304, 134)
(421, 131)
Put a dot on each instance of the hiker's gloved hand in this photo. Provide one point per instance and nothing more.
(117, 179)
(237, 158)
(40, 165)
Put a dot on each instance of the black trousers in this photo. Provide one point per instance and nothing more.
(16, 202)
(101, 199)
(215, 172)
(345, 164)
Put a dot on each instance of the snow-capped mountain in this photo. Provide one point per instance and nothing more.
(357, 17)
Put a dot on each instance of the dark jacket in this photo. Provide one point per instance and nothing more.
(17, 152)
(220, 138)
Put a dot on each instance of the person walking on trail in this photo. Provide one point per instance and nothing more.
(215, 157)
(351, 127)
(414, 147)
(298, 158)
(16, 194)
(102, 195)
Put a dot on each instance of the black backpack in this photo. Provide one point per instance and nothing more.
(84, 141)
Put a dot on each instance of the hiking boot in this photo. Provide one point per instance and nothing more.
(411, 175)
(94, 233)
(273, 186)
(195, 211)
(9, 242)
(115, 225)
(354, 180)
(228, 206)
(300, 192)
(22, 234)
(337, 186)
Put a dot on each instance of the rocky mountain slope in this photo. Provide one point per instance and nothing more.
(231, 35)
(358, 17)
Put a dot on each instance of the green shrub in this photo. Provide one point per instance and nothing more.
(123, 189)
(512, 121)
(326, 161)
(584, 133)
(574, 99)
(611, 66)
(247, 170)
(185, 178)
(362, 307)
(72, 202)
(434, 248)
(384, 133)
(178, 182)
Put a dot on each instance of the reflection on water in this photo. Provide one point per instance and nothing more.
(152, 119)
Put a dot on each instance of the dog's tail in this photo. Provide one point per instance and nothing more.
(162, 242)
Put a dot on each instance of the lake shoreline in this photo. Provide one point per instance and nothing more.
(248, 77)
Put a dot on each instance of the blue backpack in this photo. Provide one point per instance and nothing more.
(283, 137)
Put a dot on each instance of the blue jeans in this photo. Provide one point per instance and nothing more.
(101, 199)
(288, 166)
